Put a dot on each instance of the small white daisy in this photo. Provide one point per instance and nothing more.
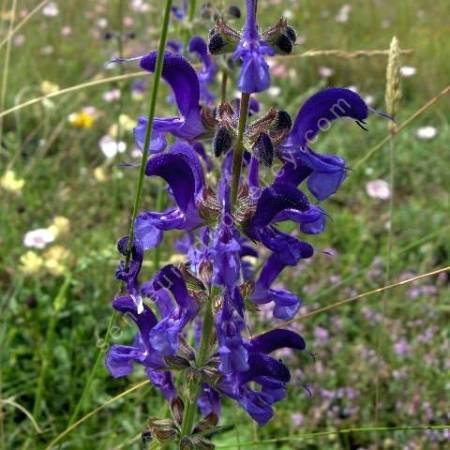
(50, 10)
(426, 133)
(110, 148)
(38, 238)
(407, 71)
(378, 189)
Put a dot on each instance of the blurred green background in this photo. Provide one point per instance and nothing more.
(381, 361)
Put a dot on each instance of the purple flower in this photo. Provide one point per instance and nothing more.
(254, 76)
(164, 336)
(230, 324)
(120, 359)
(277, 203)
(271, 375)
(182, 170)
(286, 303)
(180, 12)
(183, 80)
(324, 173)
(208, 72)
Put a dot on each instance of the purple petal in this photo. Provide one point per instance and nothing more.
(161, 126)
(171, 219)
(288, 248)
(147, 232)
(254, 76)
(312, 221)
(120, 358)
(198, 46)
(145, 320)
(200, 150)
(257, 404)
(182, 174)
(181, 77)
(287, 304)
(321, 109)
(275, 199)
(208, 401)
(276, 339)
(163, 381)
(263, 365)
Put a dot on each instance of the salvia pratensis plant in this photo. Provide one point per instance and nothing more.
(233, 175)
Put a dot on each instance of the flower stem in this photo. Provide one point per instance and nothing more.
(223, 90)
(192, 9)
(148, 131)
(193, 385)
(239, 149)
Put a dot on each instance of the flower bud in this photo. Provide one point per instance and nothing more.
(177, 409)
(163, 429)
(146, 436)
(283, 121)
(234, 11)
(177, 362)
(291, 34)
(284, 44)
(206, 423)
(263, 149)
(216, 44)
(281, 37)
(222, 39)
(186, 444)
(223, 140)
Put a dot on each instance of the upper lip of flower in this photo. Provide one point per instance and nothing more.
(325, 173)
(184, 82)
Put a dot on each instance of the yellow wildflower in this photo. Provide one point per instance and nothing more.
(56, 259)
(100, 174)
(47, 87)
(82, 119)
(30, 263)
(60, 226)
(9, 182)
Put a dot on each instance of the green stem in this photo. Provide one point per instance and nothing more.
(193, 386)
(5, 77)
(223, 91)
(119, 39)
(239, 149)
(46, 352)
(148, 131)
(87, 386)
(192, 9)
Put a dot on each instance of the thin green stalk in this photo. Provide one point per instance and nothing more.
(2, 104)
(119, 39)
(192, 9)
(401, 127)
(148, 131)
(87, 386)
(315, 435)
(46, 354)
(5, 77)
(223, 90)
(388, 269)
(239, 149)
(194, 384)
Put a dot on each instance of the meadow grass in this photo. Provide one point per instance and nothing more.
(53, 326)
